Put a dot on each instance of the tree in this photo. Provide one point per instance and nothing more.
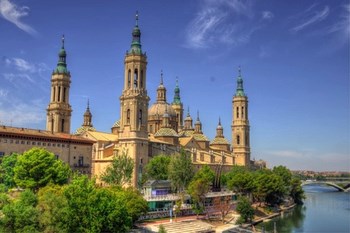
(136, 205)
(93, 209)
(20, 215)
(286, 176)
(245, 209)
(119, 173)
(242, 183)
(6, 170)
(269, 188)
(161, 229)
(296, 191)
(180, 170)
(158, 167)
(53, 209)
(37, 167)
(223, 204)
(199, 187)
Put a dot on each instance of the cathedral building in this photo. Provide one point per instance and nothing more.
(145, 130)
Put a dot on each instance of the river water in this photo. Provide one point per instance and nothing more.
(324, 210)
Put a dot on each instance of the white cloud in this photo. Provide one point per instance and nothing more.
(311, 18)
(14, 13)
(267, 15)
(229, 22)
(343, 25)
(22, 65)
(3, 93)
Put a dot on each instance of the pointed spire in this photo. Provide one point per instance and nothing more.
(177, 98)
(137, 19)
(61, 65)
(198, 116)
(239, 90)
(161, 77)
(188, 111)
(136, 38)
(219, 121)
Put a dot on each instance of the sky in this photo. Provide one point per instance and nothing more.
(294, 57)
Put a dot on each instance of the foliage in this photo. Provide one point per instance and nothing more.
(240, 181)
(158, 167)
(20, 215)
(37, 167)
(223, 205)
(119, 173)
(269, 188)
(245, 209)
(136, 205)
(296, 191)
(180, 170)
(286, 176)
(200, 186)
(6, 170)
(53, 209)
(161, 229)
(92, 209)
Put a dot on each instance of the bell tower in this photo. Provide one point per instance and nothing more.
(59, 110)
(133, 135)
(178, 106)
(240, 125)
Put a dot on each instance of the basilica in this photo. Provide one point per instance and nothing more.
(147, 129)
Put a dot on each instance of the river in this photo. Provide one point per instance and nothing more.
(324, 210)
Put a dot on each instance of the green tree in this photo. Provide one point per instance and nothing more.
(119, 173)
(161, 229)
(296, 191)
(158, 167)
(241, 182)
(136, 205)
(37, 167)
(20, 215)
(199, 187)
(180, 170)
(92, 209)
(269, 188)
(245, 209)
(53, 209)
(6, 170)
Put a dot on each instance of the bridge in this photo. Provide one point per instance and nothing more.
(332, 183)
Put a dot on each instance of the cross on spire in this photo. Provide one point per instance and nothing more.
(63, 41)
(137, 18)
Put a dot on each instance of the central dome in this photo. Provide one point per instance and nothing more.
(160, 109)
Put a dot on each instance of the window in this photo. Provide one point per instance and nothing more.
(141, 79)
(140, 117)
(59, 94)
(136, 78)
(81, 161)
(17, 141)
(53, 144)
(48, 144)
(23, 142)
(242, 113)
(2, 154)
(223, 159)
(238, 140)
(212, 158)
(62, 125)
(44, 143)
(39, 143)
(57, 157)
(64, 95)
(128, 116)
(54, 94)
(202, 157)
(129, 78)
(33, 143)
(237, 112)
(28, 142)
(151, 128)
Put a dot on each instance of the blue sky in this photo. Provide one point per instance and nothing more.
(294, 57)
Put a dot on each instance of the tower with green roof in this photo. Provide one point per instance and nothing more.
(59, 110)
(240, 124)
(134, 101)
(178, 106)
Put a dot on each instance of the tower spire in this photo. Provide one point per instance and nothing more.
(136, 37)
(62, 55)
(239, 90)
(161, 77)
(177, 98)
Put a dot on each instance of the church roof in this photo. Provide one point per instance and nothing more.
(83, 129)
(116, 124)
(100, 136)
(166, 132)
(160, 109)
(200, 137)
(219, 141)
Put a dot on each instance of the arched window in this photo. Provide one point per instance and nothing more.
(59, 94)
(140, 117)
(136, 78)
(238, 140)
(242, 112)
(128, 116)
(62, 125)
(54, 94)
(64, 95)
(141, 79)
(129, 78)
(52, 124)
(237, 112)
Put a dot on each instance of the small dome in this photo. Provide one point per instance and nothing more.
(83, 129)
(166, 132)
(116, 124)
(161, 109)
(219, 141)
(62, 52)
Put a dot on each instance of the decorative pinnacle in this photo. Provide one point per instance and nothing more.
(88, 104)
(219, 121)
(188, 111)
(161, 77)
(197, 115)
(137, 18)
(177, 81)
(239, 71)
(63, 41)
